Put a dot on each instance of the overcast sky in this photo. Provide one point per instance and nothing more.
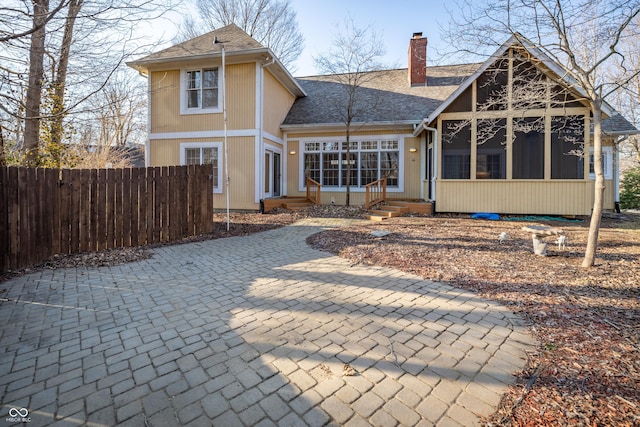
(396, 20)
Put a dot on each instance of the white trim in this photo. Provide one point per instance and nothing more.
(183, 93)
(212, 144)
(204, 134)
(607, 163)
(399, 137)
(147, 143)
(258, 192)
(285, 163)
(272, 137)
(273, 150)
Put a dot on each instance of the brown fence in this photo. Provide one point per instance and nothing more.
(63, 211)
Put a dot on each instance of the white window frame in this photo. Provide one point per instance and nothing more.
(184, 109)
(354, 140)
(216, 145)
(607, 163)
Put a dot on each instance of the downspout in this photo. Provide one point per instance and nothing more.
(616, 174)
(261, 165)
(434, 170)
(147, 142)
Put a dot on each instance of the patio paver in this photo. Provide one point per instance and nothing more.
(256, 330)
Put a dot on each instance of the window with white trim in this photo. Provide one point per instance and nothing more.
(204, 153)
(326, 162)
(200, 92)
(607, 163)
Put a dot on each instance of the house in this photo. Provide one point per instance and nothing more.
(437, 133)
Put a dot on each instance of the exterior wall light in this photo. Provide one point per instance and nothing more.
(413, 149)
(292, 152)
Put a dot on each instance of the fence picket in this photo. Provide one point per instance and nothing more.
(63, 211)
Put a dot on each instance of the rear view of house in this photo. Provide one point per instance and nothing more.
(508, 135)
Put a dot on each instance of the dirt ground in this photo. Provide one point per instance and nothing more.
(586, 369)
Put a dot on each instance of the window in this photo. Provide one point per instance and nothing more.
(456, 149)
(567, 139)
(196, 153)
(491, 155)
(607, 163)
(200, 91)
(528, 148)
(370, 160)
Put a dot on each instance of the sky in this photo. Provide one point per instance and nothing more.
(395, 21)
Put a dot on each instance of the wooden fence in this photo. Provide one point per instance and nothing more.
(64, 211)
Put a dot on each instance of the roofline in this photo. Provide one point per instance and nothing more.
(323, 127)
(142, 65)
(518, 38)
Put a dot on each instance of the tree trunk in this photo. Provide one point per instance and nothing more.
(56, 127)
(598, 196)
(3, 161)
(34, 90)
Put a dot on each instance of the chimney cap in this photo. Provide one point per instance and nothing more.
(417, 35)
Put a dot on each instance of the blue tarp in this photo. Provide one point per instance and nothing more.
(489, 216)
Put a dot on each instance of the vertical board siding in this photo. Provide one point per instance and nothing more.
(44, 212)
(519, 197)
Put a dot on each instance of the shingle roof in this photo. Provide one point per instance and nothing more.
(617, 124)
(233, 38)
(387, 97)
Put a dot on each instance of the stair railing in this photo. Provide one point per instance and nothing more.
(375, 192)
(313, 191)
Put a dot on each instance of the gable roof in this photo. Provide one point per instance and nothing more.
(614, 124)
(387, 96)
(235, 42)
(232, 37)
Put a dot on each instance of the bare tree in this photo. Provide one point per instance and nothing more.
(119, 112)
(34, 87)
(271, 22)
(626, 98)
(585, 37)
(71, 56)
(355, 53)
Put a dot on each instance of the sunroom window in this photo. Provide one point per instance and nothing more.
(369, 160)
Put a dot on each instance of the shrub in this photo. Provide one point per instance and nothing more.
(630, 189)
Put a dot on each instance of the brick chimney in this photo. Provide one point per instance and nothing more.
(418, 60)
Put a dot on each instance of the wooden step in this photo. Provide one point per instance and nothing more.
(386, 213)
(376, 217)
(296, 206)
(270, 204)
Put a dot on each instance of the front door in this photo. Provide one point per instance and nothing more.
(272, 174)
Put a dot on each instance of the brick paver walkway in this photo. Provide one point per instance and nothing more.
(260, 330)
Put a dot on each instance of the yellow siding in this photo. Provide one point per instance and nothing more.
(277, 102)
(241, 103)
(519, 197)
(166, 152)
(411, 169)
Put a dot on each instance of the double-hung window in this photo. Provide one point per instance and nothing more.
(204, 153)
(200, 91)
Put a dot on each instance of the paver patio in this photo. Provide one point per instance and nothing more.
(259, 330)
